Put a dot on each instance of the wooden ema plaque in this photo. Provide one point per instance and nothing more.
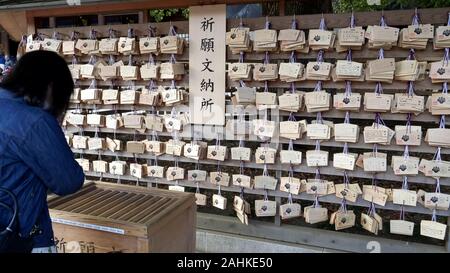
(121, 218)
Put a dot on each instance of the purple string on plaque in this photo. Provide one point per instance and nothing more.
(349, 55)
(322, 25)
(266, 57)
(347, 118)
(352, 20)
(241, 56)
(151, 85)
(317, 147)
(442, 122)
(438, 185)
(265, 171)
(291, 117)
(172, 31)
(416, 19)
(382, 21)
(437, 154)
(378, 89)
(345, 149)
(346, 180)
(130, 32)
(410, 88)
(320, 56)
(348, 88)
(412, 54)
(74, 60)
(291, 172)
(343, 207)
(405, 183)
(93, 34)
(402, 213)
(266, 88)
(151, 60)
(292, 88)
(290, 201)
(291, 145)
(318, 86)
(267, 24)
(445, 88)
(381, 54)
(433, 216)
(317, 174)
(319, 119)
(241, 60)
(446, 55)
(292, 57)
(293, 23)
(371, 211)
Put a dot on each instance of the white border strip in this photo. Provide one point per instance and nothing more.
(90, 226)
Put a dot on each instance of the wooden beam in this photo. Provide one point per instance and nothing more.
(447, 242)
(52, 22)
(5, 42)
(282, 7)
(101, 19)
(31, 24)
(310, 236)
(127, 6)
(15, 23)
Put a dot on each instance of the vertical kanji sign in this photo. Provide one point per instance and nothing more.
(207, 27)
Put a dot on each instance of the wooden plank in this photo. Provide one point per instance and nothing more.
(54, 200)
(115, 207)
(150, 209)
(358, 55)
(128, 228)
(329, 170)
(333, 113)
(181, 58)
(111, 206)
(149, 200)
(125, 206)
(336, 20)
(99, 204)
(90, 6)
(91, 194)
(121, 29)
(87, 200)
(157, 209)
(303, 196)
(309, 235)
(447, 242)
(424, 148)
(184, 83)
(395, 86)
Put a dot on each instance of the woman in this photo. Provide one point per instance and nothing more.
(34, 155)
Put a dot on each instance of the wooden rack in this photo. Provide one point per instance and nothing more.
(393, 18)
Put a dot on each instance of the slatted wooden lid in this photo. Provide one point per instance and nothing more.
(118, 208)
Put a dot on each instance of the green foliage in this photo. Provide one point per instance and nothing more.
(341, 6)
(159, 15)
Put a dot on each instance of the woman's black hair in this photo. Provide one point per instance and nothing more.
(43, 79)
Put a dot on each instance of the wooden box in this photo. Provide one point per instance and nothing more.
(121, 218)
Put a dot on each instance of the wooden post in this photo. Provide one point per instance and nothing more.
(5, 43)
(51, 22)
(142, 18)
(31, 26)
(447, 242)
(282, 7)
(101, 19)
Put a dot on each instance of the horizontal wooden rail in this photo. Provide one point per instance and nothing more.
(303, 196)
